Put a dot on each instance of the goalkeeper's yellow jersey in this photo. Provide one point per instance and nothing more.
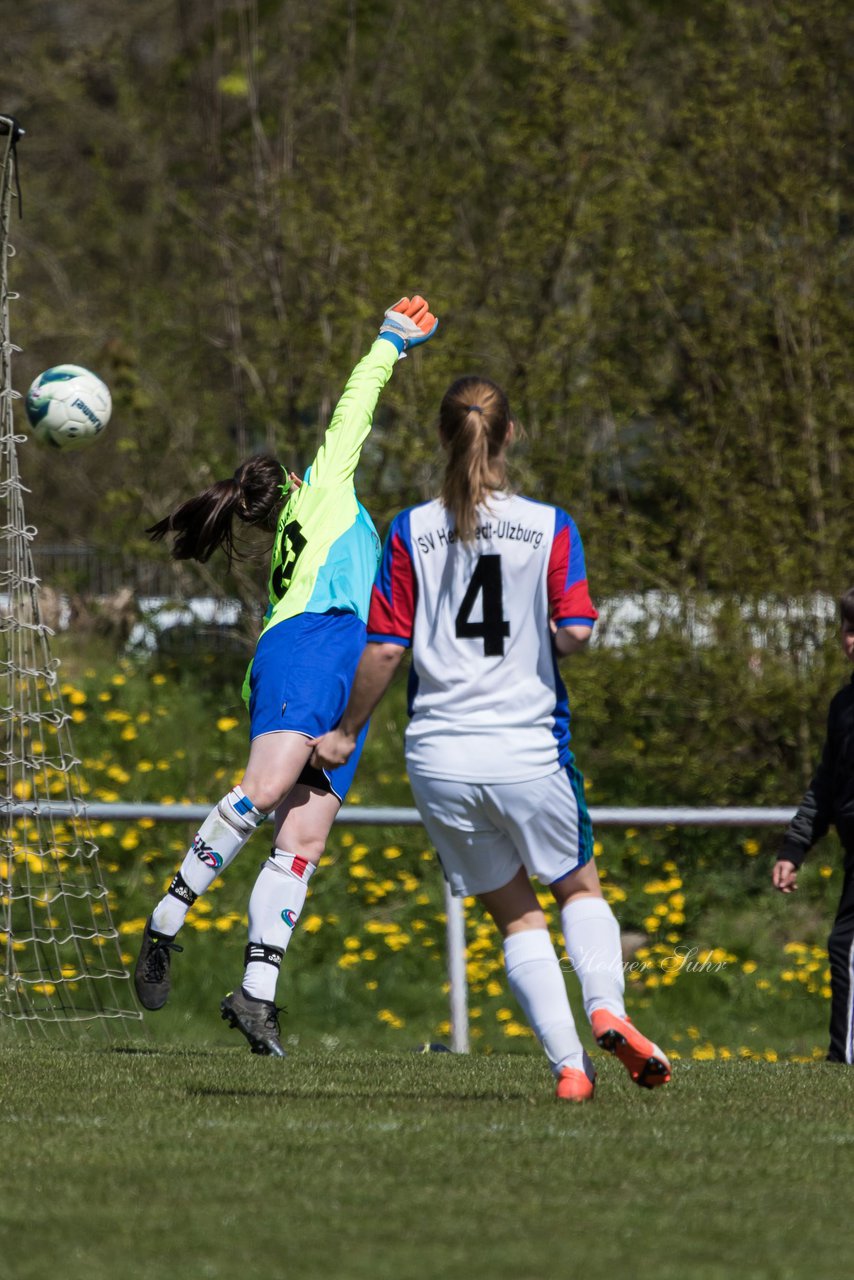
(326, 551)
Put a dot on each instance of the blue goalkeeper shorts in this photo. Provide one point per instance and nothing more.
(300, 680)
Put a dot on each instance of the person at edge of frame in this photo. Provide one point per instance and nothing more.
(489, 588)
(830, 799)
(324, 558)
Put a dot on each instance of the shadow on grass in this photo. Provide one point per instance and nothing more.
(301, 1092)
(165, 1051)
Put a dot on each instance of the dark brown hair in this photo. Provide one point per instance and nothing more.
(474, 419)
(846, 606)
(203, 523)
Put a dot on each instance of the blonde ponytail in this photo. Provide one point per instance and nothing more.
(474, 419)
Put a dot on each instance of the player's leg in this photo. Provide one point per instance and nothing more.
(303, 822)
(275, 762)
(592, 937)
(840, 950)
(536, 980)
(550, 825)
(479, 860)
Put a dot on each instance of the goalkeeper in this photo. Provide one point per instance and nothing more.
(324, 559)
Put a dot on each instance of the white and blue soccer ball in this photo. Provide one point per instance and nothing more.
(68, 406)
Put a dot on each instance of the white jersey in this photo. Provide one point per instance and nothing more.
(486, 701)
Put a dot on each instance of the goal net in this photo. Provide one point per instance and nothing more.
(61, 967)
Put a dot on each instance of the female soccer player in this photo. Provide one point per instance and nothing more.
(323, 564)
(489, 588)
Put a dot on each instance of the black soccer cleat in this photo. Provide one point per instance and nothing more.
(151, 976)
(257, 1019)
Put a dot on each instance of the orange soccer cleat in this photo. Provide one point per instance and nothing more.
(574, 1085)
(645, 1062)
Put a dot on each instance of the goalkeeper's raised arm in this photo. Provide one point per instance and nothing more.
(405, 325)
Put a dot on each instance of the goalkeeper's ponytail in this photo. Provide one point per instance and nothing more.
(203, 523)
(474, 423)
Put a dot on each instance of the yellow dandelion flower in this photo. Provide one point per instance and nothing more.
(312, 924)
(391, 1019)
(226, 723)
(132, 926)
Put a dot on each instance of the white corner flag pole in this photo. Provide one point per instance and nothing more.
(456, 913)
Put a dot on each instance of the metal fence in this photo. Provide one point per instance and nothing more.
(353, 815)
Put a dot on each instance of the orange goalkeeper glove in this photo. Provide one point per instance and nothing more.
(408, 323)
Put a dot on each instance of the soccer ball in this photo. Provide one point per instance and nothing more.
(67, 406)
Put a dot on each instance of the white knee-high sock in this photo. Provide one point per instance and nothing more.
(274, 907)
(536, 981)
(217, 842)
(592, 937)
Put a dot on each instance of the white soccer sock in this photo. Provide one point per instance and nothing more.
(536, 981)
(592, 937)
(274, 907)
(217, 843)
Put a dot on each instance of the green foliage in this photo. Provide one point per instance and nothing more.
(631, 215)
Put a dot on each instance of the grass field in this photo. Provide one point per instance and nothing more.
(209, 1162)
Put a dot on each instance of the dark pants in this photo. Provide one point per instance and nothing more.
(840, 947)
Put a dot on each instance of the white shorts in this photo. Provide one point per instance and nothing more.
(484, 832)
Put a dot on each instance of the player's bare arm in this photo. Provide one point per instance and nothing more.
(374, 673)
(571, 639)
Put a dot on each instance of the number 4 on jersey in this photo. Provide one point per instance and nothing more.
(485, 582)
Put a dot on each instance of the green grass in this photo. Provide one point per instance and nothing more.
(213, 1163)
